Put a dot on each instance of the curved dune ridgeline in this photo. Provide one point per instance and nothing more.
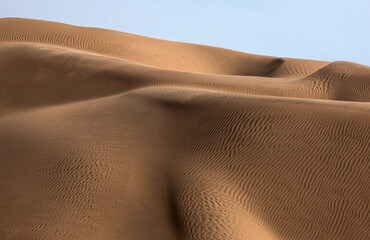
(110, 135)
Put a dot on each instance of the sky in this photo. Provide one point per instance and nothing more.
(329, 30)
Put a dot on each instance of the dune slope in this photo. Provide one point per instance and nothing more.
(110, 135)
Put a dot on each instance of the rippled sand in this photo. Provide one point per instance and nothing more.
(110, 135)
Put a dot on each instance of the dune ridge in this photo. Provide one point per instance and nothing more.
(110, 135)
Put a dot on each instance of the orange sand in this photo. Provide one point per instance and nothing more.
(109, 135)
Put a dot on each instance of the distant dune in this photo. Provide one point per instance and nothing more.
(110, 135)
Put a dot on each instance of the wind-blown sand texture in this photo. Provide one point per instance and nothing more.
(109, 135)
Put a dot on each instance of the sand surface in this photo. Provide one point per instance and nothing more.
(110, 135)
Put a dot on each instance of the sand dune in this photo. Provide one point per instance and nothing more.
(110, 135)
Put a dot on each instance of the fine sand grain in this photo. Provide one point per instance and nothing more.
(109, 135)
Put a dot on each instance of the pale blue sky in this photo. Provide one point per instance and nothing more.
(324, 30)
